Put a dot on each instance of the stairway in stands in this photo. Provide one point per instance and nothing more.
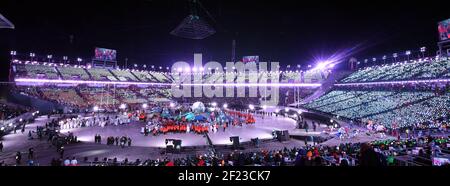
(327, 85)
(114, 75)
(89, 74)
(59, 73)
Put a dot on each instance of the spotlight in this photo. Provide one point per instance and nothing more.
(144, 105)
(123, 106)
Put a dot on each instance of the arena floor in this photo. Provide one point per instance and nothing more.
(262, 129)
(153, 146)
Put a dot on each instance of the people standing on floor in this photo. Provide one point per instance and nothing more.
(30, 153)
(67, 161)
(61, 152)
(23, 128)
(74, 162)
(129, 141)
(18, 157)
(306, 126)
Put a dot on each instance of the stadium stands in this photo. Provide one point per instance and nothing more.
(160, 77)
(422, 69)
(99, 97)
(34, 70)
(63, 96)
(74, 73)
(384, 107)
(143, 76)
(101, 74)
(124, 75)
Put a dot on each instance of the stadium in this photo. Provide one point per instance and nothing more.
(348, 108)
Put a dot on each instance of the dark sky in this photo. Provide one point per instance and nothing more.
(291, 32)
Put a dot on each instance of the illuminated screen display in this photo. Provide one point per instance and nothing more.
(104, 54)
(440, 161)
(248, 59)
(444, 30)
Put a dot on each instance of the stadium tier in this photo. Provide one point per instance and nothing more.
(101, 74)
(63, 96)
(421, 69)
(73, 73)
(143, 76)
(124, 75)
(35, 70)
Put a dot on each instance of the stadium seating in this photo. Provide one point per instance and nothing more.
(143, 76)
(383, 107)
(291, 77)
(64, 96)
(69, 72)
(423, 69)
(36, 71)
(424, 112)
(160, 77)
(129, 96)
(101, 74)
(124, 75)
(99, 97)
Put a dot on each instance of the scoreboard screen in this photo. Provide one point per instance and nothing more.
(103, 54)
(248, 59)
(444, 30)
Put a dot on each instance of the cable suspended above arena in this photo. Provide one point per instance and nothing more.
(5, 23)
(193, 26)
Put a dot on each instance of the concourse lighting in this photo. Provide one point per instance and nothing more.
(423, 49)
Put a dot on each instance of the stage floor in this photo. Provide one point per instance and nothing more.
(262, 129)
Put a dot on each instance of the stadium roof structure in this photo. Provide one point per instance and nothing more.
(193, 27)
(5, 23)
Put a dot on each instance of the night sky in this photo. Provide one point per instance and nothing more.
(290, 32)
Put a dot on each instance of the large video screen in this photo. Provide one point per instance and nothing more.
(444, 30)
(104, 54)
(248, 59)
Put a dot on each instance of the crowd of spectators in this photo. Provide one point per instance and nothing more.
(427, 68)
(377, 153)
